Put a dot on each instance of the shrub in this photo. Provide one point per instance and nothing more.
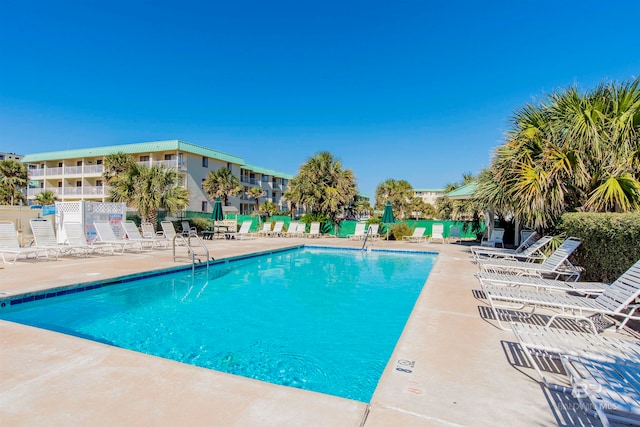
(398, 231)
(610, 242)
(200, 223)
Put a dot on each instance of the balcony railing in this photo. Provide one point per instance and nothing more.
(73, 170)
(68, 170)
(87, 190)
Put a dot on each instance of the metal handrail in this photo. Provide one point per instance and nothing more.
(187, 243)
(366, 237)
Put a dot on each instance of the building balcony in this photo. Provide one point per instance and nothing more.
(86, 170)
(87, 190)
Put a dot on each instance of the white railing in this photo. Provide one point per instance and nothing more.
(94, 190)
(36, 172)
(53, 171)
(93, 169)
(73, 170)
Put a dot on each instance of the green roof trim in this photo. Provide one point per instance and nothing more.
(266, 171)
(464, 192)
(141, 147)
(432, 190)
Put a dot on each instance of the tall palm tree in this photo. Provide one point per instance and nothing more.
(323, 186)
(256, 193)
(399, 193)
(574, 151)
(45, 197)
(149, 189)
(13, 177)
(116, 164)
(222, 183)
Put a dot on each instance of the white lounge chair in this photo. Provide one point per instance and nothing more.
(45, 237)
(417, 236)
(556, 266)
(612, 389)
(619, 300)
(277, 229)
(542, 342)
(133, 234)
(302, 228)
(9, 244)
(266, 228)
(76, 238)
(437, 233)
(149, 232)
(106, 235)
(187, 229)
(358, 233)
(292, 230)
(314, 230)
(529, 252)
(244, 232)
(584, 288)
(496, 238)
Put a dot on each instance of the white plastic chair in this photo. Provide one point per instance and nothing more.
(497, 235)
(417, 236)
(358, 233)
(437, 233)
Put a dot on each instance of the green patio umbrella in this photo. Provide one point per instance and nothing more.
(217, 214)
(387, 216)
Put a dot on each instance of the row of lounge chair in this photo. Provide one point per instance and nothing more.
(46, 243)
(603, 372)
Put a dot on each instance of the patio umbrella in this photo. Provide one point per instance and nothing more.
(217, 214)
(387, 216)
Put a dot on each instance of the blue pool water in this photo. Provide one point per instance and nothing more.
(316, 319)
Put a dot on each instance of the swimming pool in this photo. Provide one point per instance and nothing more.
(317, 319)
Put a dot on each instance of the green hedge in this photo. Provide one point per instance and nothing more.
(610, 243)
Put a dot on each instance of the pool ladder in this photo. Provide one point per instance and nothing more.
(186, 240)
(366, 238)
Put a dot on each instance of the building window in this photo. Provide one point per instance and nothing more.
(79, 163)
(202, 183)
(228, 166)
(205, 162)
(144, 158)
(98, 183)
(204, 206)
(169, 156)
(59, 164)
(78, 183)
(265, 178)
(99, 162)
(59, 184)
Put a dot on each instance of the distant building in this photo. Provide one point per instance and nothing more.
(429, 195)
(10, 156)
(77, 174)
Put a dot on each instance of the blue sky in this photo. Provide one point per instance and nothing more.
(415, 90)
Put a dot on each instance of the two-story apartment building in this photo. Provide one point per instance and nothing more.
(428, 195)
(78, 174)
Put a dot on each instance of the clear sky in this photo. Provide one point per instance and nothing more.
(415, 90)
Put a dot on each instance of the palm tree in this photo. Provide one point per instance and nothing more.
(256, 193)
(115, 165)
(571, 152)
(13, 177)
(149, 189)
(323, 186)
(222, 183)
(290, 197)
(45, 197)
(399, 193)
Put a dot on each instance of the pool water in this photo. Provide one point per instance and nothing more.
(317, 319)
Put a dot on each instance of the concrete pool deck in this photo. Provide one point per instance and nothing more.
(462, 369)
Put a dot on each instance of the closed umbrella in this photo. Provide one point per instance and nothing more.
(387, 216)
(217, 214)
